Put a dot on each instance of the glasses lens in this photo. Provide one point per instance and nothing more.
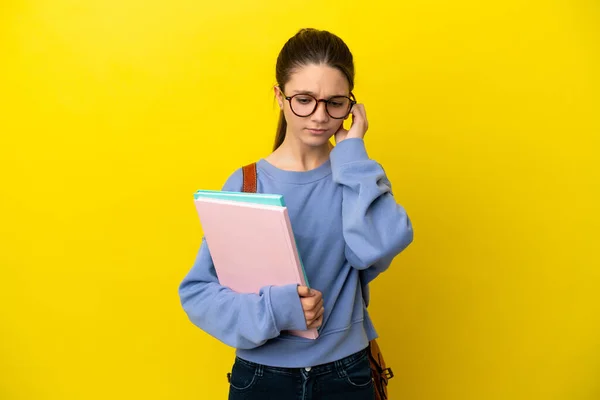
(338, 107)
(303, 105)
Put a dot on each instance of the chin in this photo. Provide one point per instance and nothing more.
(317, 141)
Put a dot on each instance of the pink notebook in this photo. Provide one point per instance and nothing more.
(252, 246)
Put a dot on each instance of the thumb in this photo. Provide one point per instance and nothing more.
(304, 291)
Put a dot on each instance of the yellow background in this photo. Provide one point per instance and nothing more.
(484, 114)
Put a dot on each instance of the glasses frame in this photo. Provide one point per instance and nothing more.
(317, 101)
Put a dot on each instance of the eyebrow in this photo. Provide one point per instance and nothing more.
(314, 94)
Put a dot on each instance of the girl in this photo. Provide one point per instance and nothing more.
(348, 228)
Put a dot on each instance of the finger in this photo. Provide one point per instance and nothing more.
(316, 295)
(310, 308)
(354, 118)
(316, 323)
(363, 111)
(310, 317)
(358, 111)
(360, 117)
(364, 116)
(320, 313)
(304, 291)
(314, 301)
(317, 305)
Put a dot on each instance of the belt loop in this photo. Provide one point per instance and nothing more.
(259, 370)
(339, 367)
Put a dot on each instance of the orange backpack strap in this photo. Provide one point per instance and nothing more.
(249, 174)
(380, 372)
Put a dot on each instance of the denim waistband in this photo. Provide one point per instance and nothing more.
(317, 369)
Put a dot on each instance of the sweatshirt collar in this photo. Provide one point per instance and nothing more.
(297, 177)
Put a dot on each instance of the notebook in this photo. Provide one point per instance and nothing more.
(258, 198)
(252, 245)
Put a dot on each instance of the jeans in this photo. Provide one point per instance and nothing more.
(345, 379)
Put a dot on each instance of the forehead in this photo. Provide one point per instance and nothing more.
(321, 80)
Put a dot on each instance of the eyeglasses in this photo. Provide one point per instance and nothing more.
(337, 107)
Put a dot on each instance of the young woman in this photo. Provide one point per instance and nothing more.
(348, 228)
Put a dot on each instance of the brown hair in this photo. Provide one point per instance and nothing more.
(310, 46)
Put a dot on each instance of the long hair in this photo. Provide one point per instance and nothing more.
(310, 46)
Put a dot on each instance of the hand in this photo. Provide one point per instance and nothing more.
(312, 304)
(359, 125)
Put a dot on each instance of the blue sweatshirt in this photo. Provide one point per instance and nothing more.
(348, 228)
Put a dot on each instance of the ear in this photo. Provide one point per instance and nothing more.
(279, 96)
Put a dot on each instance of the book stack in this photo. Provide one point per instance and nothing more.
(251, 242)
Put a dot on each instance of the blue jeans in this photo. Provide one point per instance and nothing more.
(345, 379)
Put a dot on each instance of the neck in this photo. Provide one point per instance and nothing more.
(292, 155)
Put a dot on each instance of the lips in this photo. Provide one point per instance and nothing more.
(315, 131)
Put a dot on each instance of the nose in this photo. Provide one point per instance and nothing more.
(320, 114)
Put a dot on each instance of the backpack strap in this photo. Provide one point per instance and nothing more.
(249, 175)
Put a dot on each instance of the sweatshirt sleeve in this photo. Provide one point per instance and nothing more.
(375, 227)
(240, 320)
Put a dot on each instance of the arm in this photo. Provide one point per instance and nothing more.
(239, 320)
(375, 227)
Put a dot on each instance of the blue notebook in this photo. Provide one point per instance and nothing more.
(257, 198)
